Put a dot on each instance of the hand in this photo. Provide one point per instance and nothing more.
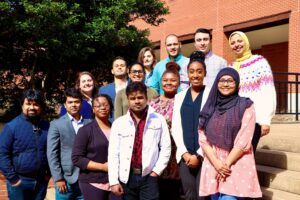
(222, 168)
(193, 162)
(265, 130)
(153, 174)
(186, 157)
(62, 186)
(117, 189)
(17, 183)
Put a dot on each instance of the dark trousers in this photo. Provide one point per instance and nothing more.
(141, 188)
(90, 192)
(190, 179)
(169, 189)
(256, 136)
(29, 189)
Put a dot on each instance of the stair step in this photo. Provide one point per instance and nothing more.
(273, 194)
(283, 137)
(278, 159)
(280, 179)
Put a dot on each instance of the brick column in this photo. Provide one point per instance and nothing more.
(3, 191)
(294, 42)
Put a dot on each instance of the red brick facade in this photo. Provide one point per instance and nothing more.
(223, 15)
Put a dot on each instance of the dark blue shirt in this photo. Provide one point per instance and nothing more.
(190, 111)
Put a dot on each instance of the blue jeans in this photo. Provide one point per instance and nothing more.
(220, 196)
(141, 188)
(73, 193)
(30, 188)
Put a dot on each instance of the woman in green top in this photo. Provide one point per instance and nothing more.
(136, 74)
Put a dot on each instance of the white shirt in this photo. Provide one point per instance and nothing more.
(156, 148)
(76, 124)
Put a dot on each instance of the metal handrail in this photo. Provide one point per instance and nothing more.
(287, 93)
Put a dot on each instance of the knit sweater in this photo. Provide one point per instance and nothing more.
(256, 82)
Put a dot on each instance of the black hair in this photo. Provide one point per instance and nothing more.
(137, 63)
(72, 92)
(204, 30)
(33, 95)
(118, 58)
(136, 87)
(111, 105)
(172, 67)
(197, 56)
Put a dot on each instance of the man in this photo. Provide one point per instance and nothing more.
(23, 158)
(119, 70)
(173, 47)
(139, 148)
(214, 63)
(60, 141)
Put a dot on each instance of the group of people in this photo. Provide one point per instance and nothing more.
(182, 126)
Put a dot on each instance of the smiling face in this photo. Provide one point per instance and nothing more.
(170, 83)
(86, 84)
(173, 46)
(203, 42)
(73, 106)
(136, 73)
(31, 108)
(119, 68)
(196, 74)
(226, 85)
(237, 45)
(148, 59)
(101, 108)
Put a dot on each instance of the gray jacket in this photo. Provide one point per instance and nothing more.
(60, 140)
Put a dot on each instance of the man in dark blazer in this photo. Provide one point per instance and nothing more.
(60, 141)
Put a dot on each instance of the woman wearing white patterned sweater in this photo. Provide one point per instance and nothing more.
(256, 83)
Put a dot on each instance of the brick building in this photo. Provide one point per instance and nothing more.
(273, 28)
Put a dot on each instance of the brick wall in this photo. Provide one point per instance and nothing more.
(188, 15)
(3, 191)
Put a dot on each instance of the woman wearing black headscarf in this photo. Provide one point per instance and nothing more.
(226, 128)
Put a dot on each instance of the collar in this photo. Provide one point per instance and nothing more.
(177, 58)
(73, 119)
(209, 54)
(144, 114)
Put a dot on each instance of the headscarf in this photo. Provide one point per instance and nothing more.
(221, 115)
(247, 51)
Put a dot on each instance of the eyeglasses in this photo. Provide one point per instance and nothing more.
(228, 81)
(136, 72)
(101, 105)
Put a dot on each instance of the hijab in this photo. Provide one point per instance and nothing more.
(221, 116)
(247, 52)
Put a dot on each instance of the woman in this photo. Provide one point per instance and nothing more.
(256, 83)
(187, 106)
(226, 128)
(169, 180)
(87, 85)
(147, 58)
(90, 152)
(136, 74)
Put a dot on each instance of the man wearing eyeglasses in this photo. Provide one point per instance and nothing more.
(214, 63)
(23, 158)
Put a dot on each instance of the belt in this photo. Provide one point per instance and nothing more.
(29, 175)
(136, 171)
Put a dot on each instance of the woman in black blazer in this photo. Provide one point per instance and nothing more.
(90, 152)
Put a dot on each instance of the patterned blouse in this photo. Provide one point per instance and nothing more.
(165, 108)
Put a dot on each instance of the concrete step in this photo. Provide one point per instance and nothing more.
(273, 194)
(278, 159)
(283, 137)
(279, 179)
